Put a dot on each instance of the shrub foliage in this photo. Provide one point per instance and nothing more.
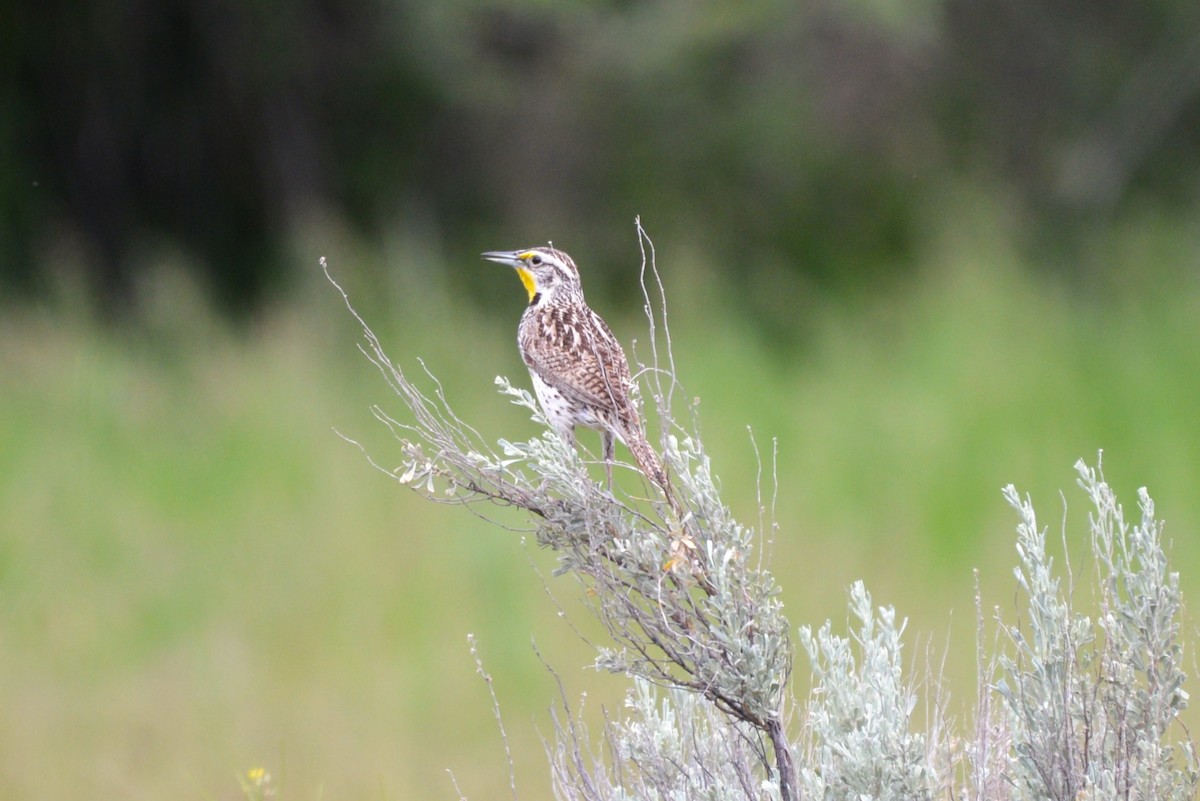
(1071, 705)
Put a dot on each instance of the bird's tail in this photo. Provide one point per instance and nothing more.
(648, 462)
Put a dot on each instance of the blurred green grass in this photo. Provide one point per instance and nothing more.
(197, 575)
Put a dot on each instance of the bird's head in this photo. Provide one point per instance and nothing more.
(546, 273)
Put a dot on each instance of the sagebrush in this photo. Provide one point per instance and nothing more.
(1072, 705)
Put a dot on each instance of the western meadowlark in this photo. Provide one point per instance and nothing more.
(579, 370)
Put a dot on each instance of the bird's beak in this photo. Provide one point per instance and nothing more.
(512, 258)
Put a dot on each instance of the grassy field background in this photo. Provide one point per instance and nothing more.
(198, 576)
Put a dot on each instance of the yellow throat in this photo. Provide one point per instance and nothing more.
(528, 280)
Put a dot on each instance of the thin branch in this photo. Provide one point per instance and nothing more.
(487, 678)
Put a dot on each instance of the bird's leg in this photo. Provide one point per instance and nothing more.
(610, 453)
(568, 435)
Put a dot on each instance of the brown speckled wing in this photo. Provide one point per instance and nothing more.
(573, 350)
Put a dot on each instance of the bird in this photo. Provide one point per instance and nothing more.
(580, 374)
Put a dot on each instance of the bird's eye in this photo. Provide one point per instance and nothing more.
(536, 260)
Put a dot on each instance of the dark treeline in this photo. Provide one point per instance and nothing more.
(818, 138)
